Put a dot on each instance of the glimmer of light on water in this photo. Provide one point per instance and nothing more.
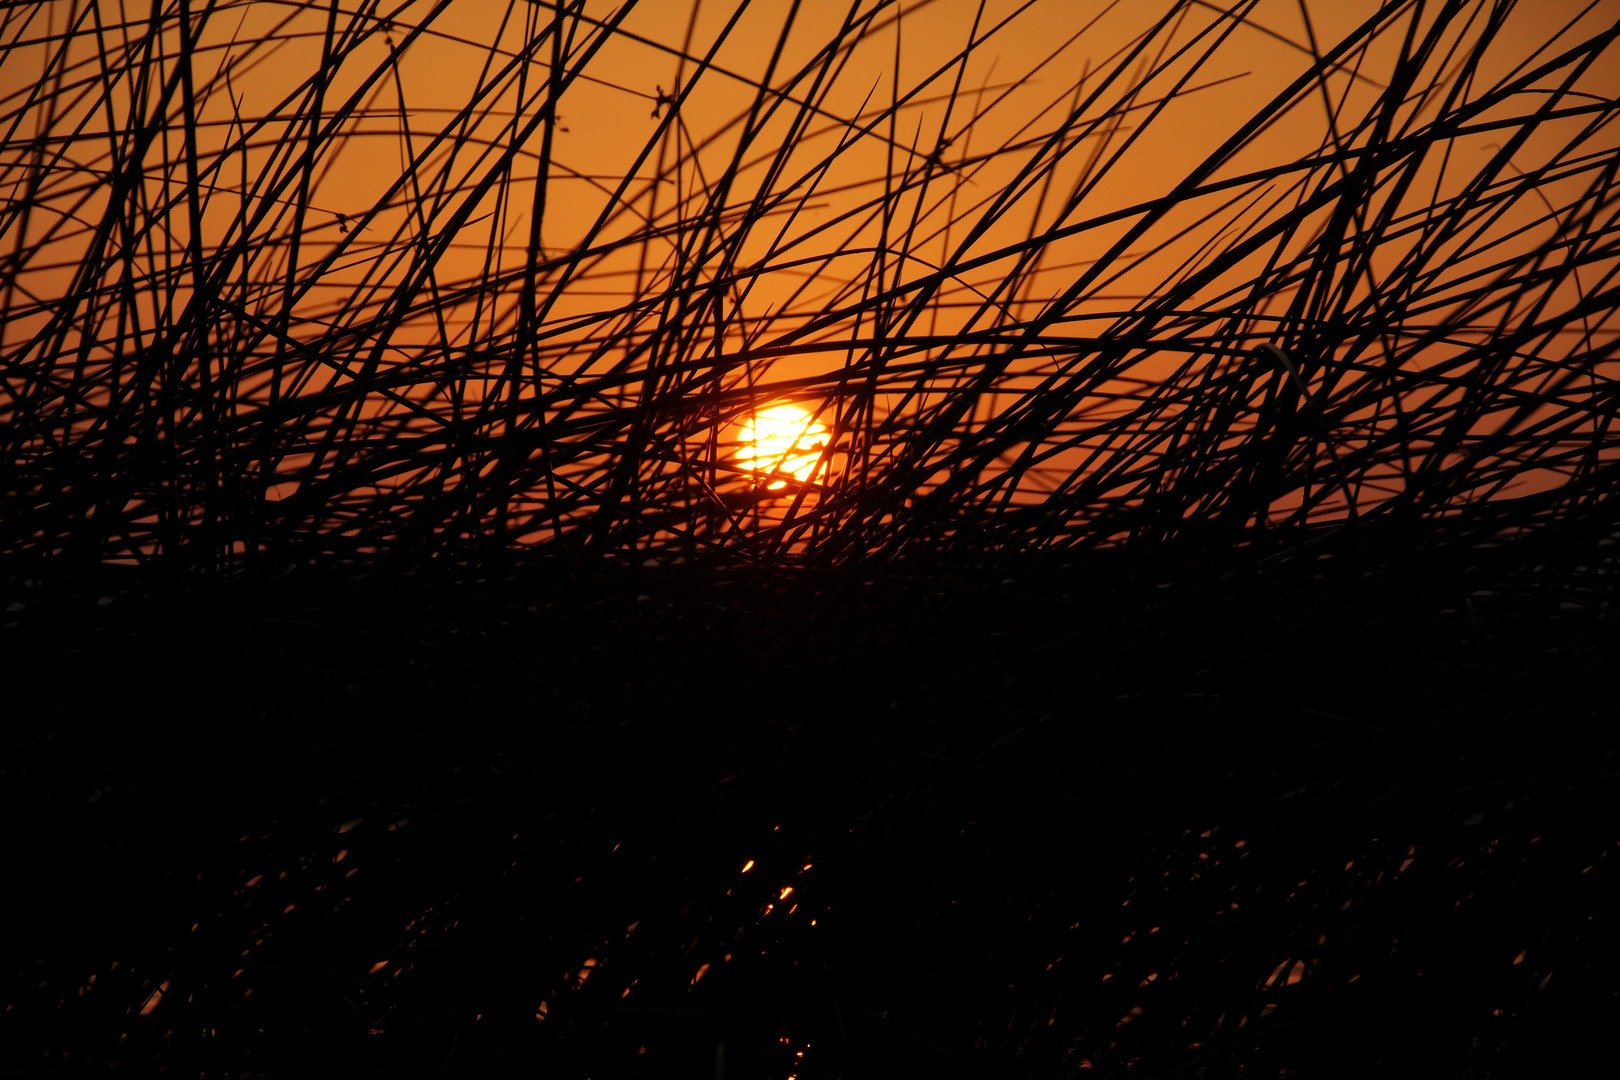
(781, 441)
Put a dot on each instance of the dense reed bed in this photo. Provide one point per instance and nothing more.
(1178, 651)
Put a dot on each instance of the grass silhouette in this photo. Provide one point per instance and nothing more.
(1185, 659)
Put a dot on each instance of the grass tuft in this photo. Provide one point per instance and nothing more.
(1213, 486)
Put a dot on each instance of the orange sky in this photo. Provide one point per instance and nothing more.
(1031, 63)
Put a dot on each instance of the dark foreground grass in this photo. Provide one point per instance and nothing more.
(1195, 659)
(1363, 833)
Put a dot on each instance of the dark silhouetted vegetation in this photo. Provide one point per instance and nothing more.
(1191, 657)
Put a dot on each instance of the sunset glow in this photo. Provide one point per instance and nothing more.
(992, 453)
(782, 439)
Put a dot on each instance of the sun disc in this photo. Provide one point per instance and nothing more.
(782, 440)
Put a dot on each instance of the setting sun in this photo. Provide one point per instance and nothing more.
(782, 440)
